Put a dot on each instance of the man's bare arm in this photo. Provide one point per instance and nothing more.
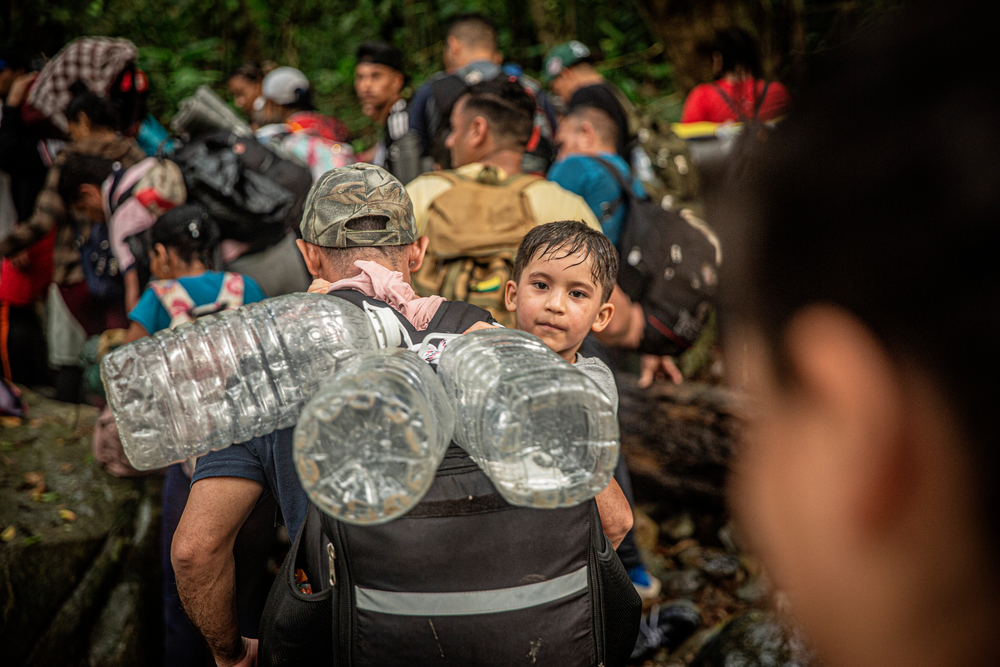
(202, 555)
(616, 515)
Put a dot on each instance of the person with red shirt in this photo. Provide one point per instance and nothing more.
(739, 93)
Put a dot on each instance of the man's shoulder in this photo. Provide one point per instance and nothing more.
(551, 202)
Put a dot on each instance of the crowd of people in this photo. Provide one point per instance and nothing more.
(525, 200)
(120, 232)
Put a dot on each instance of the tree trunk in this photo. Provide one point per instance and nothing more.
(678, 439)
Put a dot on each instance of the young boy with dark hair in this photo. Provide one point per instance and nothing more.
(562, 278)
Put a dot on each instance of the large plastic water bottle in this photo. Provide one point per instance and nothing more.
(228, 377)
(544, 433)
(368, 444)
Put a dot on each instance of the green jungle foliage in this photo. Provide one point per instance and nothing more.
(187, 43)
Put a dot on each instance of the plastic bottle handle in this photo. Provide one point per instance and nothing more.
(388, 330)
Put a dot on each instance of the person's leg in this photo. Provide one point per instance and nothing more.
(26, 356)
(182, 644)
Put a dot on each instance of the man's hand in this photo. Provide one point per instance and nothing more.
(19, 89)
(202, 555)
(653, 367)
(249, 658)
(479, 326)
(319, 286)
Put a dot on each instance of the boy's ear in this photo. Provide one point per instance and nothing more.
(603, 317)
(510, 296)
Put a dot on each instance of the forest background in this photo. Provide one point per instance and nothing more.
(649, 48)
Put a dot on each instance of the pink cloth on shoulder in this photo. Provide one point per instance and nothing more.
(380, 283)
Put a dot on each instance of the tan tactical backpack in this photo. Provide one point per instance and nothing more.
(474, 229)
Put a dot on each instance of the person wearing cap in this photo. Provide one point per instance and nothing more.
(291, 125)
(378, 83)
(370, 247)
(569, 71)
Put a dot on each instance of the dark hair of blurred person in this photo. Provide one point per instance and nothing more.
(861, 312)
(80, 183)
(734, 50)
(88, 114)
(245, 85)
(738, 92)
(188, 232)
(493, 117)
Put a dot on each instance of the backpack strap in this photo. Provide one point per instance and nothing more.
(175, 300)
(359, 300)
(456, 317)
(233, 290)
(758, 103)
(230, 296)
(626, 187)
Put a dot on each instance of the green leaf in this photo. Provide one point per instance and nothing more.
(34, 539)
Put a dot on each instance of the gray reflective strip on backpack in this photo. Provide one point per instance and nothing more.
(471, 603)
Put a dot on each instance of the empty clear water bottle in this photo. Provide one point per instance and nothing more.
(228, 377)
(544, 433)
(368, 444)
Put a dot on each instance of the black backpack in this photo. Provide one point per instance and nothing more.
(254, 194)
(462, 579)
(668, 263)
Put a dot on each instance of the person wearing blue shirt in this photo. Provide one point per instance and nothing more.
(587, 136)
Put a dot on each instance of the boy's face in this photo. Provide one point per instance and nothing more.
(559, 301)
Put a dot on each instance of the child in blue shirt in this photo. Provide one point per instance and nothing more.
(182, 243)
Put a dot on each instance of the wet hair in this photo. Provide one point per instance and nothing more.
(562, 239)
(99, 110)
(250, 71)
(604, 125)
(509, 110)
(879, 199)
(738, 48)
(474, 30)
(189, 231)
(78, 170)
(344, 258)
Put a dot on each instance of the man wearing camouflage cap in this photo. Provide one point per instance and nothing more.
(358, 234)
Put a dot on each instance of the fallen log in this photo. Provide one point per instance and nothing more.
(678, 439)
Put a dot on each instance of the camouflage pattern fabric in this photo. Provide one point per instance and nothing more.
(352, 192)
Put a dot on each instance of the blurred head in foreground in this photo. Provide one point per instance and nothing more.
(863, 315)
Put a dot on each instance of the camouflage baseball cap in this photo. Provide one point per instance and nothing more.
(352, 192)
